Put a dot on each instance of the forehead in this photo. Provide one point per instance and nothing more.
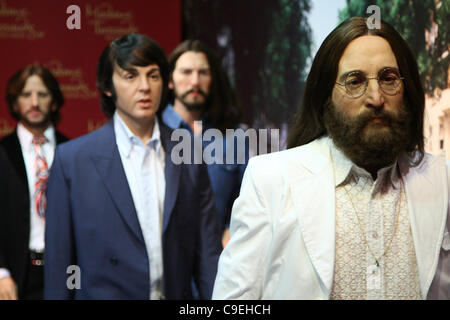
(34, 82)
(139, 69)
(368, 54)
(192, 60)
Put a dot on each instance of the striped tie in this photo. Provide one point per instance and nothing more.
(41, 166)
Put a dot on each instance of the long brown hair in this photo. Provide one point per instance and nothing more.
(17, 82)
(222, 111)
(308, 123)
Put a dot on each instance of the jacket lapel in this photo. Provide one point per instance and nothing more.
(427, 195)
(108, 163)
(171, 173)
(314, 200)
(14, 152)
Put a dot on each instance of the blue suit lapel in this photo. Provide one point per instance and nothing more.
(107, 161)
(171, 173)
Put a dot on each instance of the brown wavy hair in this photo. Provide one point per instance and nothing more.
(17, 82)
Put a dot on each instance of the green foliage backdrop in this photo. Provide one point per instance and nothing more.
(411, 18)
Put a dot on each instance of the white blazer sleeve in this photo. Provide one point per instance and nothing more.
(242, 263)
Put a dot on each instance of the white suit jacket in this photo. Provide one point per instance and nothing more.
(283, 227)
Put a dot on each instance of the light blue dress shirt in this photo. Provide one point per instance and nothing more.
(144, 169)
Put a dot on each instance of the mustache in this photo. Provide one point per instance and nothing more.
(36, 108)
(203, 93)
(367, 115)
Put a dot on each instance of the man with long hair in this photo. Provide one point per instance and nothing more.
(201, 91)
(355, 209)
(34, 98)
(127, 221)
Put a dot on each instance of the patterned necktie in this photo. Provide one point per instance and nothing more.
(41, 168)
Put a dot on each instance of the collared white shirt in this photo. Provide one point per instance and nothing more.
(380, 209)
(37, 224)
(144, 169)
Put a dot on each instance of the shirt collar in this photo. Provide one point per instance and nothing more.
(343, 167)
(125, 139)
(172, 119)
(26, 137)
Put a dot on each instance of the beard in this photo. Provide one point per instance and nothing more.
(196, 105)
(37, 124)
(367, 144)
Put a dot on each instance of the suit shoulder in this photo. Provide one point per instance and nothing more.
(81, 145)
(8, 139)
(279, 159)
(60, 138)
(271, 166)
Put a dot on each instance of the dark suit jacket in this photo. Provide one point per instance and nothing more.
(92, 223)
(15, 208)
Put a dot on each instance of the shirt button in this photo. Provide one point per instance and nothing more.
(114, 261)
(375, 235)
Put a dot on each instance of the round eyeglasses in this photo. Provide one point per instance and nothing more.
(356, 82)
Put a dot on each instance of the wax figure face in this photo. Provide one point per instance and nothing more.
(34, 103)
(138, 93)
(374, 127)
(191, 80)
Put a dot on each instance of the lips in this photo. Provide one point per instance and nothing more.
(145, 102)
(197, 92)
(379, 120)
(34, 112)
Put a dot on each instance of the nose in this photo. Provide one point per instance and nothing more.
(195, 79)
(374, 95)
(144, 83)
(34, 99)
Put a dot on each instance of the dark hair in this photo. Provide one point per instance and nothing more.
(17, 82)
(129, 50)
(308, 123)
(222, 110)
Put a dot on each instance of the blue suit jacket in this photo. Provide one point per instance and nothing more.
(91, 222)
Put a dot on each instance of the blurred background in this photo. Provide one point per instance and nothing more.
(265, 46)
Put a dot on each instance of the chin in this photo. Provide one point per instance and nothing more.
(147, 114)
(42, 121)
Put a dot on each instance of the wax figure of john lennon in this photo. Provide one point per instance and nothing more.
(355, 209)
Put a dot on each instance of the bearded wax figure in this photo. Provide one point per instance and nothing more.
(33, 98)
(201, 91)
(355, 209)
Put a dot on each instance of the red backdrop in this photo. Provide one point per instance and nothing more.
(36, 31)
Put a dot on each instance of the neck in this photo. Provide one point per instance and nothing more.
(143, 129)
(36, 130)
(373, 171)
(189, 116)
(373, 168)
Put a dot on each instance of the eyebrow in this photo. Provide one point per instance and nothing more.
(38, 91)
(344, 75)
(201, 69)
(134, 70)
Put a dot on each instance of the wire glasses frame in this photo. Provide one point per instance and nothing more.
(356, 82)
